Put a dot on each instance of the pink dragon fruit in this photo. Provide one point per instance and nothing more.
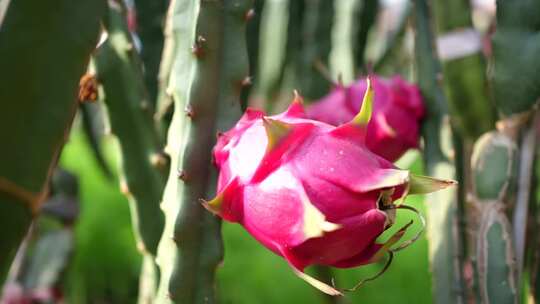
(397, 112)
(310, 192)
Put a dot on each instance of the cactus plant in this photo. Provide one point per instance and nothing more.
(516, 84)
(367, 14)
(465, 78)
(34, 39)
(119, 71)
(212, 53)
(494, 185)
(190, 248)
(444, 242)
(149, 18)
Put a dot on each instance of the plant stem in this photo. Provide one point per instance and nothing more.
(191, 248)
(44, 50)
(444, 245)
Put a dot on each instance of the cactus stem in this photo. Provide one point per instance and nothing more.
(523, 198)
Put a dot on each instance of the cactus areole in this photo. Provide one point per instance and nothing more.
(311, 192)
(397, 113)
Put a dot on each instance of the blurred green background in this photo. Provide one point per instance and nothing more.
(106, 263)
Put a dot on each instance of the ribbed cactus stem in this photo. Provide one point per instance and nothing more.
(164, 102)
(120, 73)
(150, 16)
(191, 248)
(444, 246)
(464, 76)
(44, 50)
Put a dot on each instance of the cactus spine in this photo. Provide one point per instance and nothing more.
(119, 71)
(190, 248)
(40, 98)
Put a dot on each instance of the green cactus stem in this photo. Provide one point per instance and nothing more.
(389, 59)
(150, 18)
(524, 195)
(44, 50)
(516, 45)
(91, 117)
(496, 261)
(120, 74)
(444, 244)
(164, 102)
(464, 77)
(272, 50)
(191, 248)
(516, 89)
(366, 16)
(341, 55)
(253, 45)
(317, 43)
(119, 71)
(494, 166)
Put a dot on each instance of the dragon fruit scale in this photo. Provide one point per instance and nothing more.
(308, 191)
(398, 110)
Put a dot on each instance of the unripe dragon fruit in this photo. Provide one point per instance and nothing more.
(398, 109)
(311, 192)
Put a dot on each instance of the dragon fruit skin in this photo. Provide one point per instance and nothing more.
(398, 110)
(310, 192)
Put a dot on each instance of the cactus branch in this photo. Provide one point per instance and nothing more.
(40, 98)
(366, 18)
(526, 167)
(150, 17)
(442, 210)
(465, 80)
(191, 248)
(119, 72)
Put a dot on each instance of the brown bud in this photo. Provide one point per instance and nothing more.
(88, 88)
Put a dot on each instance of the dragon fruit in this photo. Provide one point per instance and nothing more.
(308, 191)
(397, 112)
